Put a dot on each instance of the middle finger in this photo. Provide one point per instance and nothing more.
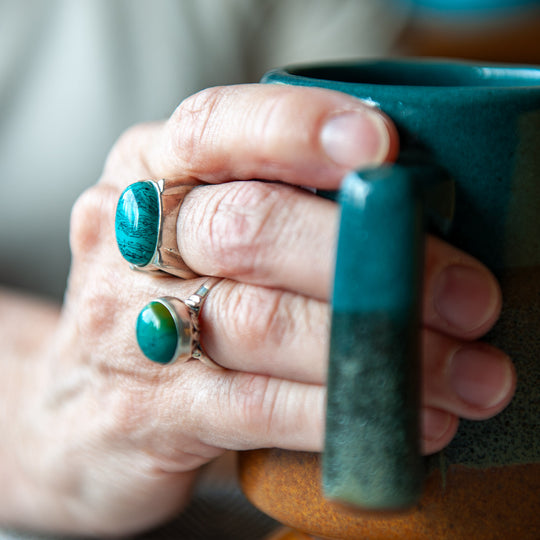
(261, 233)
(284, 237)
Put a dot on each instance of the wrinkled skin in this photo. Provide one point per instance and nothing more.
(120, 439)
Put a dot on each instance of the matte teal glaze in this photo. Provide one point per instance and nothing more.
(157, 334)
(481, 124)
(374, 341)
(137, 223)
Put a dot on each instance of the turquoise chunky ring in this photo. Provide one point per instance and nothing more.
(145, 226)
(168, 329)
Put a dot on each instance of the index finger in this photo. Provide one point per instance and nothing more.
(298, 135)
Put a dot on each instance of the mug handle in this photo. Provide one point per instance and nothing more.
(372, 453)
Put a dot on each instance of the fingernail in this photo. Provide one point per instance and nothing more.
(466, 297)
(356, 138)
(435, 424)
(480, 376)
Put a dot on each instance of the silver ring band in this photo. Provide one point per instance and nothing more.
(168, 328)
(146, 224)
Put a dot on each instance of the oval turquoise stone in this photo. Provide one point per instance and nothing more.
(137, 223)
(156, 332)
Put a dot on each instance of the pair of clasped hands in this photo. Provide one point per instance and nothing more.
(122, 438)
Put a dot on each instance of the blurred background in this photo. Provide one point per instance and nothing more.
(490, 30)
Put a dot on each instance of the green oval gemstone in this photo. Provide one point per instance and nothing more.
(137, 223)
(156, 332)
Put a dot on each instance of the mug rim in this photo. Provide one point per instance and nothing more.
(414, 73)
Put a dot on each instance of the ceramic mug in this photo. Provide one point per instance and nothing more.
(468, 170)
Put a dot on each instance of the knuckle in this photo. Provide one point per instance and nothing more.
(98, 310)
(274, 115)
(255, 399)
(258, 315)
(239, 223)
(192, 129)
(128, 157)
(273, 134)
(90, 216)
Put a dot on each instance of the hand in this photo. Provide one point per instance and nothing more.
(121, 438)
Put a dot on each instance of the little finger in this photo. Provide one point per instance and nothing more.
(470, 380)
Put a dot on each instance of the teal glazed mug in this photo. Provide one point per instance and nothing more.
(469, 171)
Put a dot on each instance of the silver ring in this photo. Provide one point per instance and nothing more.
(168, 329)
(145, 226)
